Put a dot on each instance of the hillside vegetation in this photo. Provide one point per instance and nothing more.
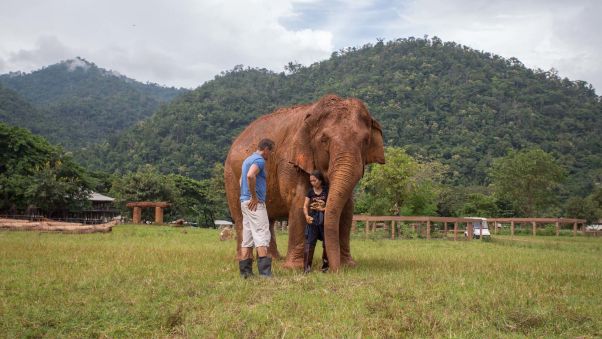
(75, 103)
(440, 101)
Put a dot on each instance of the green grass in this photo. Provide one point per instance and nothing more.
(159, 281)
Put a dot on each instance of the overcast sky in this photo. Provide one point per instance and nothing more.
(184, 43)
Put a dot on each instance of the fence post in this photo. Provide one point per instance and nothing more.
(445, 229)
(469, 230)
(137, 215)
(354, 226)
(366, 227)
(534, 226)
(512, 228)
(557, 228)
(574, 229)
(428, 230)
(158, 215)
(455, 231)
(392, 229)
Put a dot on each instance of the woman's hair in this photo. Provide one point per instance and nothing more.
(319, 176)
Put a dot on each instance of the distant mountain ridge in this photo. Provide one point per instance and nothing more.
(440, 100)
(78, 104)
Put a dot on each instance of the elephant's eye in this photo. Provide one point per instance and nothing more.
(324, 139)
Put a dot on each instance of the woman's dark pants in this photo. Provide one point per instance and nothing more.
(313, 233)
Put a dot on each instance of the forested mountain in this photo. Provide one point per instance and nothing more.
(75, 103)
(14, 107)
(441, 101)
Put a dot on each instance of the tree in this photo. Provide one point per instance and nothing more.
(582, 208)
(403, 182)
(34, 173)
(52, 192)
(147, 184)
(189, 198)
(480, 205)
(529, 178)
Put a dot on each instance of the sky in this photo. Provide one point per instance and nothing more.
(184, 43)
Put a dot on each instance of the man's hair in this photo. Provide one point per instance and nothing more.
(265, 143)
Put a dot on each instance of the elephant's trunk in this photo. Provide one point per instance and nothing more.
(346, 171)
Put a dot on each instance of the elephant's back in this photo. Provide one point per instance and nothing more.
(279, 126)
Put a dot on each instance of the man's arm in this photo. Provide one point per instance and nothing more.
(251, 176)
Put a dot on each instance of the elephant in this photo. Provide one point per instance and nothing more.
(333, 135)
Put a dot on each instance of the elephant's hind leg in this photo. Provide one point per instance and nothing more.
(273, 249)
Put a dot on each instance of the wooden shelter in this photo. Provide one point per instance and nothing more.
(138, 206)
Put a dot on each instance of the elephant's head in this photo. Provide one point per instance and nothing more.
(338, 137)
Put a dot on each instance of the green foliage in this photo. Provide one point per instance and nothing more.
(147, 184)
(528, 178)
(190, 199)
(35, 173)
(402, 185)
(76, 104)
(480, 205)
(438, 100)
(589, 208)
(50, 191)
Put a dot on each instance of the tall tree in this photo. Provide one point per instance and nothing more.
(402, 185)
(530, 179)
(34, 173)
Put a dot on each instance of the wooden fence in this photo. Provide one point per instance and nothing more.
(393, 221)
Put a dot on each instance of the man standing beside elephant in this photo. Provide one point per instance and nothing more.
(256, 225)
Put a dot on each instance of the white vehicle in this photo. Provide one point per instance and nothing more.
(479, 227)
(594, 227)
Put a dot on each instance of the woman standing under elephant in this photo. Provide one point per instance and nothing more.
(314, 207)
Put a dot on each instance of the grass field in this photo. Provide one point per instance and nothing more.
(160, 281)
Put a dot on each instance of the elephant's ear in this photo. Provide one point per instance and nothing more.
(302, 156)
(376, 148)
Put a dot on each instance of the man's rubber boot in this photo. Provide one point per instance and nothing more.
(265, 267)
(324, 259)
(246, 268)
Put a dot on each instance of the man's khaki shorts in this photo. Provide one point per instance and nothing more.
(255, 226)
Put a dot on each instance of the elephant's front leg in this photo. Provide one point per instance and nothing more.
(273, 249)
(296, 229)
(345, 234)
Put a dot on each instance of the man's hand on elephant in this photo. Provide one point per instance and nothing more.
(253, 204)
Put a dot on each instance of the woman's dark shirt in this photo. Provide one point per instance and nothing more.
(317, 200)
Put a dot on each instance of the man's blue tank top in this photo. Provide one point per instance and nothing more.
(260, 181)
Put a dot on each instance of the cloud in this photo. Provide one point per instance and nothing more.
(187, 42)
(542, 34)
(46, 50)
(181, 44)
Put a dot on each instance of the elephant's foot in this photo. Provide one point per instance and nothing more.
(293, 263)
(274, 254)
(348, 262)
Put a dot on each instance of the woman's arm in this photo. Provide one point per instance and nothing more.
(305, 211)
